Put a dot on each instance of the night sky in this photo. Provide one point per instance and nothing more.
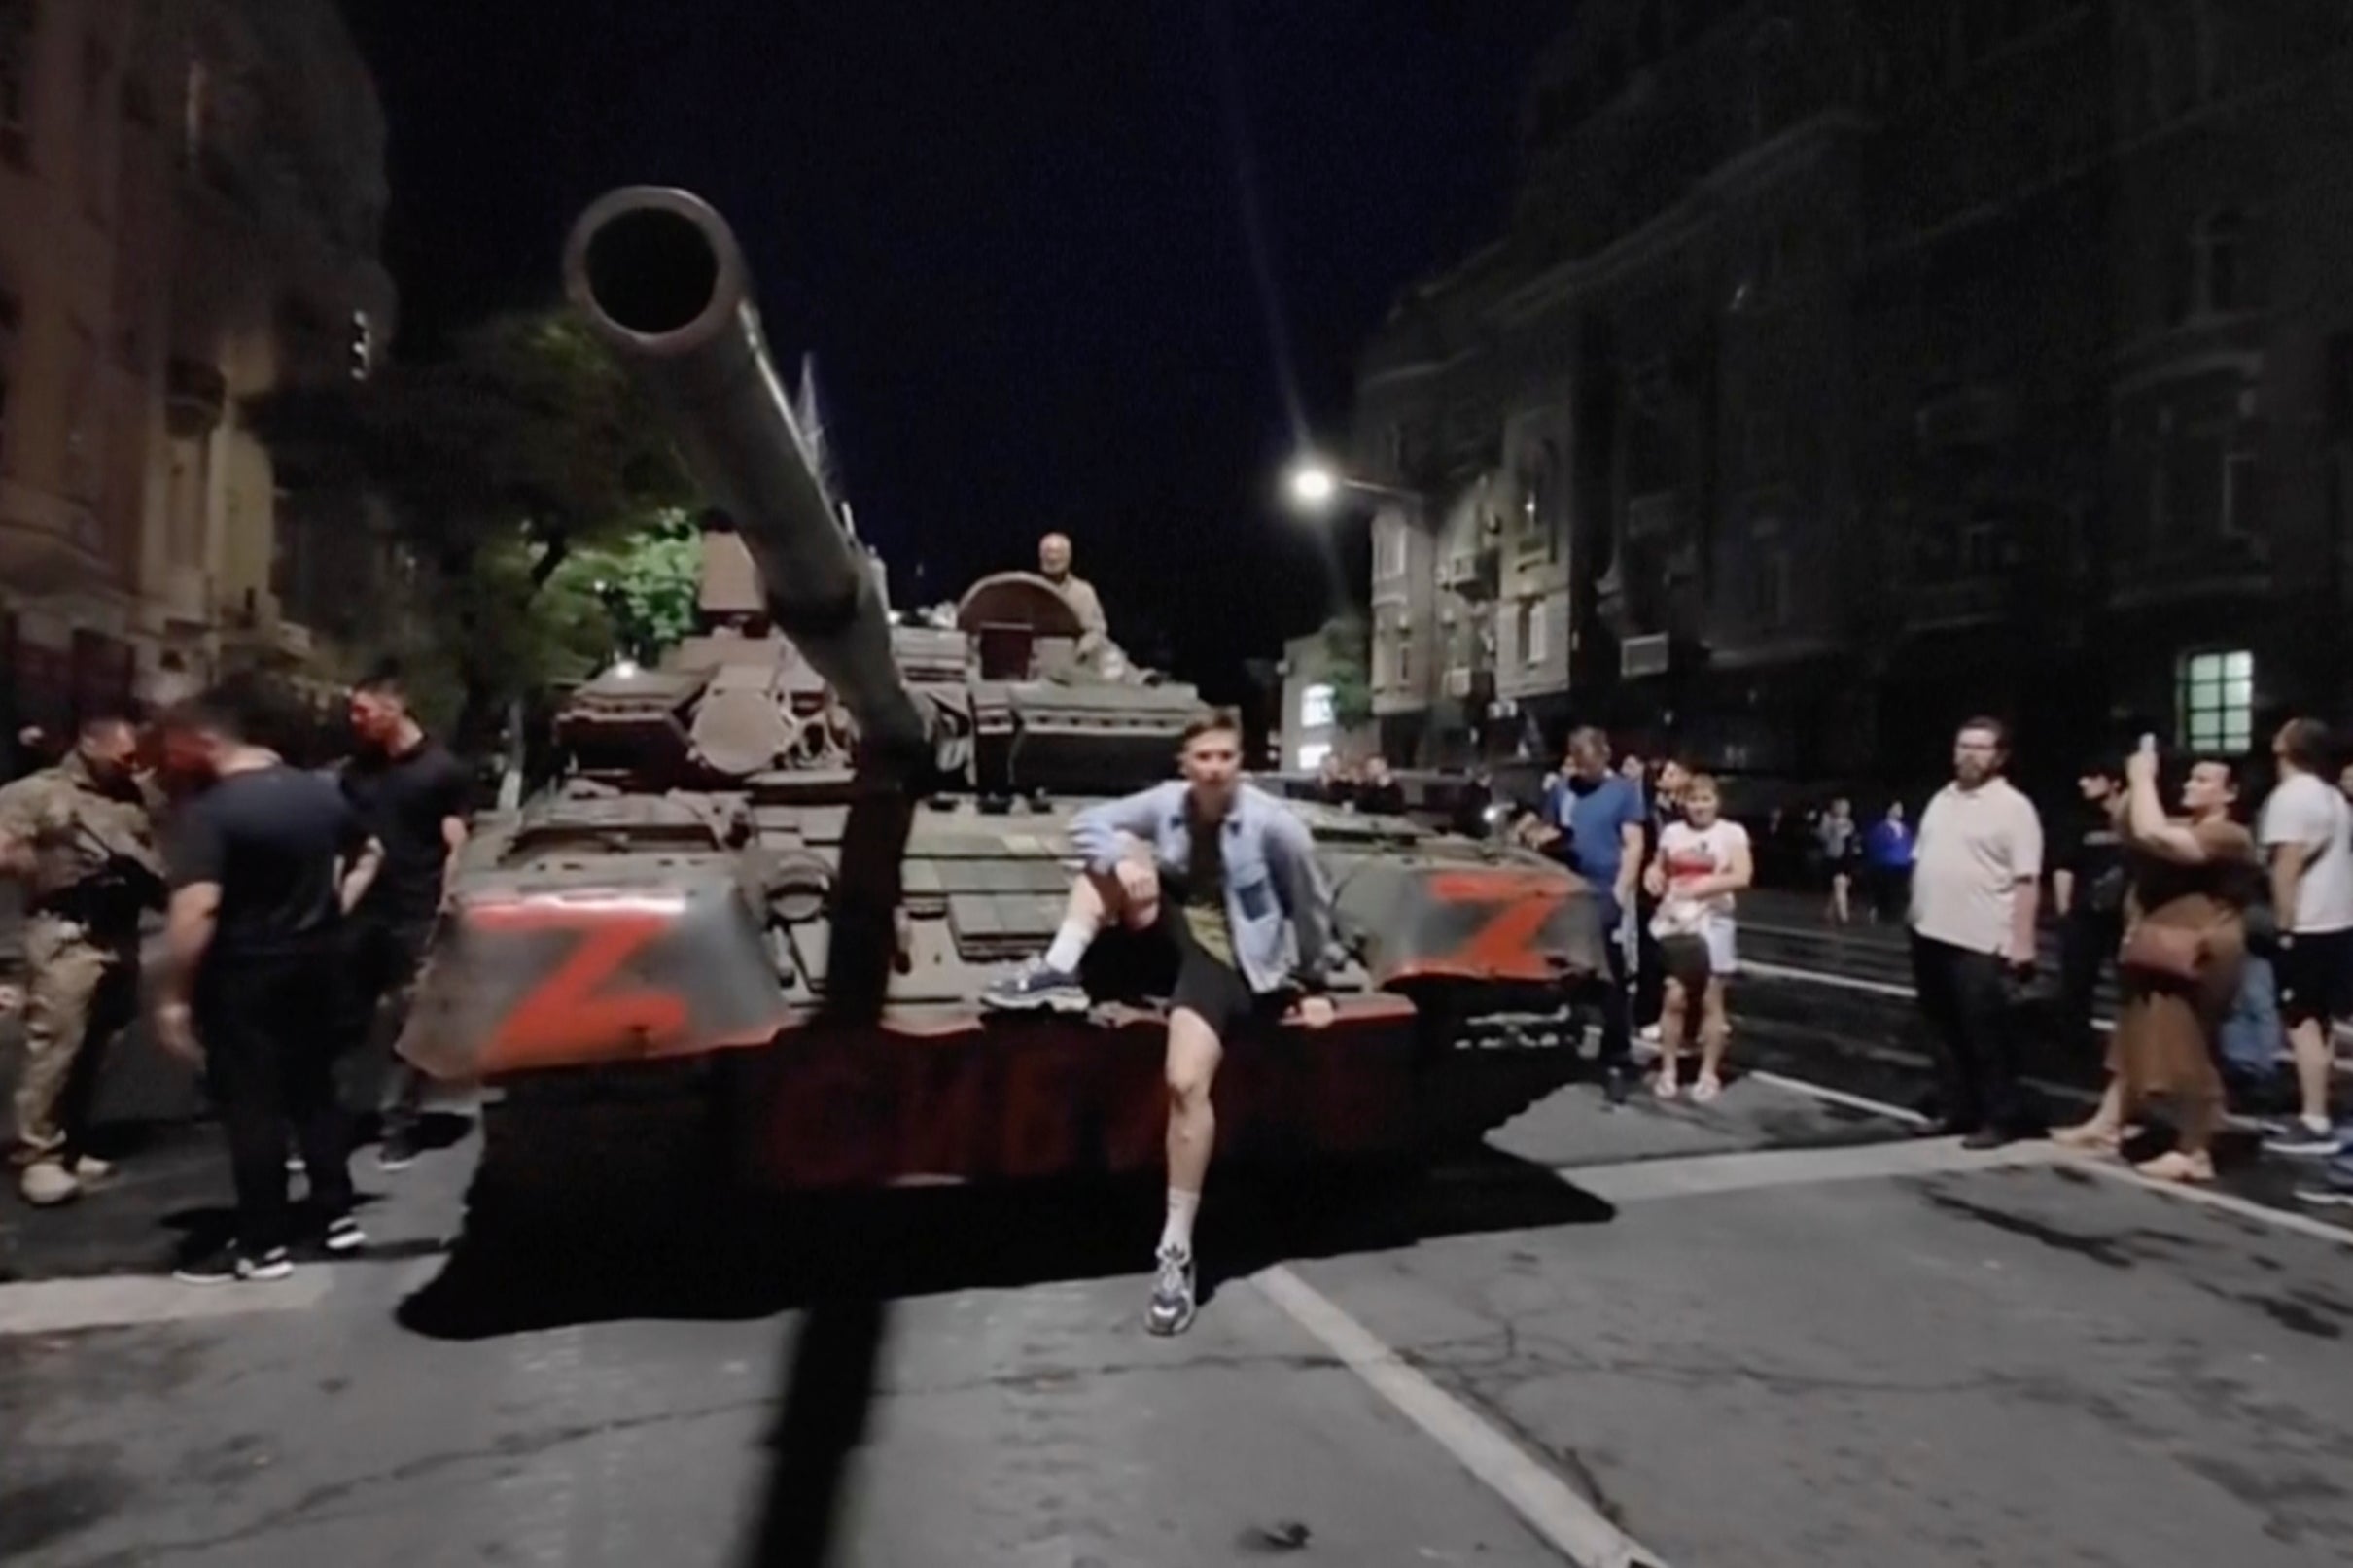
(1012, 232)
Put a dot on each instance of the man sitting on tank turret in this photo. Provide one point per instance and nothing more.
(1094, 628)
(1211, 869)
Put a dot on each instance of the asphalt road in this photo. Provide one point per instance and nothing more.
(1780, 1330)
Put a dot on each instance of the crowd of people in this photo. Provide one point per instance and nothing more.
(296, 902)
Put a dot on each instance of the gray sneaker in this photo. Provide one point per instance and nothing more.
(1173, 1306)
(1034, 988)
(2298, 1138)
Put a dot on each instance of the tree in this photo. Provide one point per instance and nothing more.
(523, 448)
(648, 586)
(1348, 652)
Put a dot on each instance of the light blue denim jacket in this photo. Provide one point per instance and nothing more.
(1270, 874)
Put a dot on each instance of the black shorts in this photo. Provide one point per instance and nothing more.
(2316, 977)
(1163, 960)
(1685, 960)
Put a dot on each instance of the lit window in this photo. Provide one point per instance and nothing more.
(2217, 698)
(1315, 707)
(1309, 758)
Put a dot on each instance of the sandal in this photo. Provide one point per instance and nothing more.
(1706, 1089)
(1664, 1086)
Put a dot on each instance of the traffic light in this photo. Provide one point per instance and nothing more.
(363, 345)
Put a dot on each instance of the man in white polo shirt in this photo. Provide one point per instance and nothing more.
(1974, 891)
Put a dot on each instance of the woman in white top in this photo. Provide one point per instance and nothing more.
(1701, 862)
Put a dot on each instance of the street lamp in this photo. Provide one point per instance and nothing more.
(1313, 484)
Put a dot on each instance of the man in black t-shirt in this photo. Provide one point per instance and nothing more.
(412, 795)
(2088, 890)
(264, 863)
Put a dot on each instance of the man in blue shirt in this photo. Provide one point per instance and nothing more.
(1592, 824)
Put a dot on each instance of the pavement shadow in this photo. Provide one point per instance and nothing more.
(708, 1255)
(821, 1411)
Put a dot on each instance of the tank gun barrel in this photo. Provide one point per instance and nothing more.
(659, 276)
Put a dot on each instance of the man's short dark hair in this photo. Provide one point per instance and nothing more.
(1209, 721)
(384, 682)
(1588, 740)
(205, 716)
(1992, 726)
(2305, 743)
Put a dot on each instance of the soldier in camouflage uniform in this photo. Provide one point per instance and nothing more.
(80, 838)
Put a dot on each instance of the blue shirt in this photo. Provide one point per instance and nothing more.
(1270, 874)
(1595, 820)
(1888, 845)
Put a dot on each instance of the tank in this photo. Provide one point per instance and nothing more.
(762, 904)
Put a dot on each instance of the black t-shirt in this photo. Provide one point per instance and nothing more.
(272, 839)
(2094, 852)
(405, 800)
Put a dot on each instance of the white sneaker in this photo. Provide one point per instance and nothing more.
(89, 1168)
(1650, 1034)
(46, 1183)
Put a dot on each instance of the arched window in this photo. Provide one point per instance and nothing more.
(2217, 263)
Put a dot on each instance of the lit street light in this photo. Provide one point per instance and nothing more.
(1314, 484)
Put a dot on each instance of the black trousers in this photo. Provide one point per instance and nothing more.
(1965, 997)
(383, 956)
(268, 1026)
(1616, 1001)
(1650, 967)
(2088, 944)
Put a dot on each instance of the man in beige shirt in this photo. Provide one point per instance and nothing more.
(1054, 565)
(1974, 892)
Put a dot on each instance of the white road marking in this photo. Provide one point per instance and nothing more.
(2124, 1175)
(1549, 1505)
(1872, 988)
(63, 1305)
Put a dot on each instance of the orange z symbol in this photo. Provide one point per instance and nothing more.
(575, 1009)
(1506, 945)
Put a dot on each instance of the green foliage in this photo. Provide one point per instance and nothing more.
(1348, 647)
(646, 586)
(523, 450)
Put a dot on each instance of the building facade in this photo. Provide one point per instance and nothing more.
(1868, 366)
(190, 197)
(1313, 725)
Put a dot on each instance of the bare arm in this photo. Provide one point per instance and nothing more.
(453, 838)
(188, 933)
(2062, 891)
(2146, 825)
(2027, 865)
(1629, 861)
(2288, 864)
(360, 875)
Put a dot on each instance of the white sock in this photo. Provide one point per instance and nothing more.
(1070, 944)
(1177, 1230)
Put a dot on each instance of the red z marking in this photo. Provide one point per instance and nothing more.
(577, 1011)
(1523, 901)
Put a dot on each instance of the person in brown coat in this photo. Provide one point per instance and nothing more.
(2185, 938)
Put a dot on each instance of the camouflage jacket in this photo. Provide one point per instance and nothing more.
(88, 841)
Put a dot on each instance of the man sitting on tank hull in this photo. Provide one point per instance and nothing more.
(1212, 871)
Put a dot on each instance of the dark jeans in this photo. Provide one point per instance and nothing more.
(2088, 944)
(269, 1031)
(1965, 997)
(383, 958)
(1890, 890)
(1616, 1000)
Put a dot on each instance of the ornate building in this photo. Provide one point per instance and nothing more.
(1883, 364)
(190, 195)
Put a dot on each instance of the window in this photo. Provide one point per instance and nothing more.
(95, 142)
(363, 345)
(1405, 661)
(12, 314)
(1315, 707)
(81, 416)
(1981, 549)
(1392, 548)
(2217, 699)
(1309, 758)
(1531, 629)
(1768, 590)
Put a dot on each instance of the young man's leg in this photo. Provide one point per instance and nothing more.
(1051, 980)
(2311, 987)
(1194, 1052)
(379, 1008)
